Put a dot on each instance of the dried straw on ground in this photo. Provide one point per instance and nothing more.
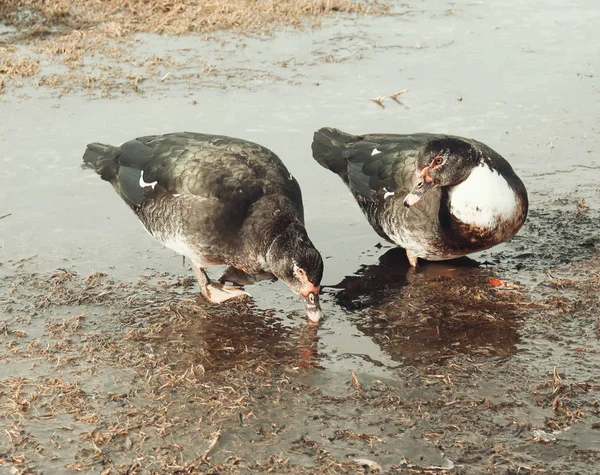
(65, 32)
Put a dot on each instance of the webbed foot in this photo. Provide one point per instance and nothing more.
(216, 293)
(219, 293)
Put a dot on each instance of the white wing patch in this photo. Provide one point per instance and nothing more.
(290, 177)
(484, 199)
(375, 151)
(388, 193)
(143, 184)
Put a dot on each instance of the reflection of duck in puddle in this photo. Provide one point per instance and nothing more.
(432, 313)
(234, 336)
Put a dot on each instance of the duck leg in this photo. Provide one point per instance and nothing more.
(412, 259)
(239, 277)
(235, 276)
(215, 293)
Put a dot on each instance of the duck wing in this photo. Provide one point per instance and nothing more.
(187, 163)
(371, 165)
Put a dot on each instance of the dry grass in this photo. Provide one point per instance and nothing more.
(142, 378)
(183, 354)
(66, 32)
(167, 17)
(12, 67)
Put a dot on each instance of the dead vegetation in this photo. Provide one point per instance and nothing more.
(43, 17)
(176, 366)
(394, 97)
(11, 67)
(67, 32)
(141, 377)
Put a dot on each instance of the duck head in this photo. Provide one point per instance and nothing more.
(292, 257)
(443, 162)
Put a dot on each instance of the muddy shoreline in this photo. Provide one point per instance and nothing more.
(114, 377)
(109, 361)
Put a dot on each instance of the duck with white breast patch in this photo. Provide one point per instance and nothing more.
(437, 196)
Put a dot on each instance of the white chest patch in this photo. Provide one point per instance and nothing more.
(484, 199)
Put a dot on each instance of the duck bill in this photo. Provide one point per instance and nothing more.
(417, 193)
(422, 186)
(312, 306)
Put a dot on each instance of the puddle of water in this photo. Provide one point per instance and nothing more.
(385, 322)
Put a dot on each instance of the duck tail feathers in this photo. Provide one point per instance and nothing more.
(328, 149)
(102, 159)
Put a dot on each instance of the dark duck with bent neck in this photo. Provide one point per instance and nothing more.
(437, 196)
(217, 200)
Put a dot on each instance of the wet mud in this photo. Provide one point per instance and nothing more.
(482, 373)
(110, 362)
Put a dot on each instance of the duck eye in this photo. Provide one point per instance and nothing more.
(437, 161)
(300, 273)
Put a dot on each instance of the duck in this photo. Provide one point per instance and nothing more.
(437, 196)
(217, 200)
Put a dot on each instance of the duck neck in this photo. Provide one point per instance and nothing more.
(286, 249)
(267, 222)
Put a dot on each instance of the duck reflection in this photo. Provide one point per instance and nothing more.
(433, 313)
(233, 336)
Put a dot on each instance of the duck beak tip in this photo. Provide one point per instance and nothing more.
(313, 307)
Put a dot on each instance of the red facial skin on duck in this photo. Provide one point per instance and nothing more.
(310, 295)
(310, 288)
(435, 162)
(307, 286)
(425, 175)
